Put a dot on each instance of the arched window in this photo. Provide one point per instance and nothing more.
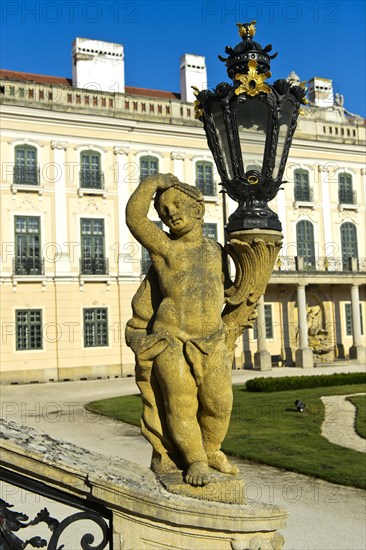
(148, 166)
(345, 189)
(204, 178)
(348, 243)
(91, 176)
(26, 171)
(302, 187)
(305, 242)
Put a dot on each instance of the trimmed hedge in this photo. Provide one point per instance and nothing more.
(302, 382)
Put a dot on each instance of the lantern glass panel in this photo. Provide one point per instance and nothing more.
(252, 118)
(285, 123)
(218, 117)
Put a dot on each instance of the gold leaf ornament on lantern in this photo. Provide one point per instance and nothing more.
(252, 83)
(198, 113)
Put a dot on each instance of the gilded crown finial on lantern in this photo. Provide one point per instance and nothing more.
(246, 29)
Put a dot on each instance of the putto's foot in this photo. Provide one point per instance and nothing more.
(161, 465)
(197, 474)
(219, 461)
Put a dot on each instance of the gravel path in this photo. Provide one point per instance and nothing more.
(339, 422)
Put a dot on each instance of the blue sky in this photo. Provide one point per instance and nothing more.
(314, 38)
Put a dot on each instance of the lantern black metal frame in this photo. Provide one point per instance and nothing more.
(269, 111)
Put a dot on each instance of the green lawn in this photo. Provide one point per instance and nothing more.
(360, 402)
(266, 428)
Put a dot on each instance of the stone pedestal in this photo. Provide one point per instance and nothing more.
(262, 360)
(304, 358)
(144, 514)
(358, 353)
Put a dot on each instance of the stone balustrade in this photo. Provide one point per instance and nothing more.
(144, 515)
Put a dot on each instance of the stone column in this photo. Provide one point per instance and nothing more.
(357, 350)
(262, 358)
(62, 261)
(304, 355)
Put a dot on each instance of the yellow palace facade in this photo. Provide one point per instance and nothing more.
(71, 156)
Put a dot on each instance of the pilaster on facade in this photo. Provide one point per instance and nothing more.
(126, 248)
(62, 265)
(178, 158)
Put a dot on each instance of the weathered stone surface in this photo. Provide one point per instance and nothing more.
(145, 515)
(187, 315)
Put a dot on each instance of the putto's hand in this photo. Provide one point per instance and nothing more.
(162, 181)
(166, 181)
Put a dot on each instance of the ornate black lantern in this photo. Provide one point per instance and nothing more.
(249, 127)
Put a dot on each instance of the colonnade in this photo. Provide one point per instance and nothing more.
(304, 355)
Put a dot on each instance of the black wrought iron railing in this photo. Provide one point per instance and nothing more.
(13, 522)
(208, 188)
(26, 175)
(304, 195)
(94, 266)
(91, 179)
(347, 197)
(320, 264)
(28, 266)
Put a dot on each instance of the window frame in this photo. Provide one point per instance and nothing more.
(349, 248)
(306, 247)
(97, 261)
(207, 188)
(91, 175)
(268, 319)
(26, 172)
(27, 328)
(96, 324)
(345, 188)
(206, 226)
(302, 192)
(149, 159)
(28, 264)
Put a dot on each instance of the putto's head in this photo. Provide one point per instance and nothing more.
(188, 190)
(180, 207)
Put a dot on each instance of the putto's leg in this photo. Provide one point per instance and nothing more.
(216, 400)
(180, 398)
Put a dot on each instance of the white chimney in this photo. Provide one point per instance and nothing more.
(193, 72)
(320, 92)
(98, 65)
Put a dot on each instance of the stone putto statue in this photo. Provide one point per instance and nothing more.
(187, 314)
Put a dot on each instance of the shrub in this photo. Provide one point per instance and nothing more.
(301, 382)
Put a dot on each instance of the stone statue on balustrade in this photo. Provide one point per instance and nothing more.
(187, 315)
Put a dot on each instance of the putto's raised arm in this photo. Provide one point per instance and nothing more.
(143, 229)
